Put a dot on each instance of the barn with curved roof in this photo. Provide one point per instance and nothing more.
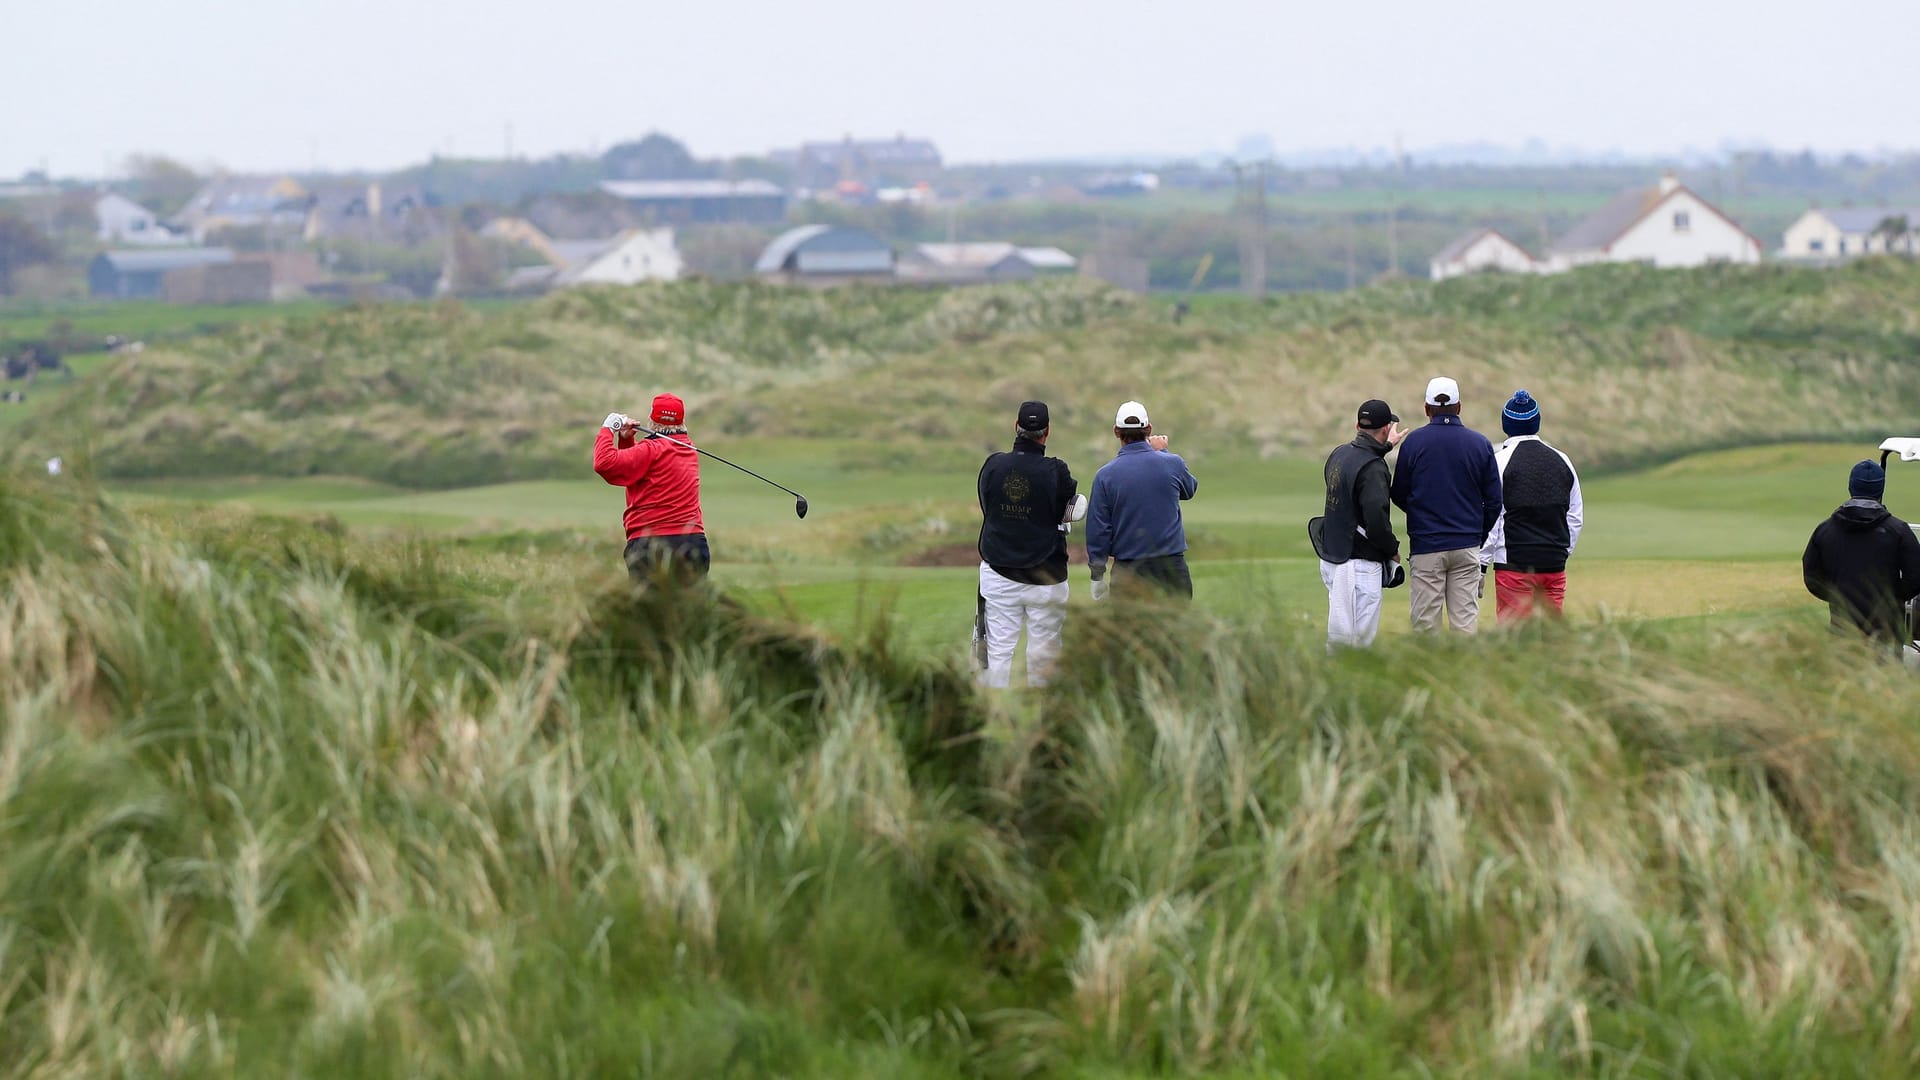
(826, 253)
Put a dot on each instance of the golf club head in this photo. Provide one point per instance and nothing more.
(800, 506)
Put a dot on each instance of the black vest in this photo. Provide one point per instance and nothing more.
(1023, 496)
(1340, 538)
(1537, 488)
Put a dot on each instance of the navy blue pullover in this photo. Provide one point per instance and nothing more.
(1134, 511)
(1448, 484)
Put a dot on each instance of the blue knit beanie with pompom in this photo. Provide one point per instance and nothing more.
(1521, 416)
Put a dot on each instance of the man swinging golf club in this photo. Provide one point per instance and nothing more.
(1027, 504)
(661, 473)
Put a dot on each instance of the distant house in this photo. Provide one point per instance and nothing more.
(1478, 251)
(276, 203)
(682, 202)
(629, 258)
(869, 163)
(826, 254)
(982, 262)
(129, 275)
(371, 213)
(1121, 184)
(120, 220)
(1847, 232)
(1664, 225)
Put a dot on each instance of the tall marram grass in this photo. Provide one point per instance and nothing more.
(1631, 364)
(274, 803)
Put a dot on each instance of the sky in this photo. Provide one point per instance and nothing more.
(377, 84)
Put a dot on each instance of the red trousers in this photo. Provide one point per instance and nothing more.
(1518, 594)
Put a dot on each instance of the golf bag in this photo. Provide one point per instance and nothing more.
(979, 632)
(1910, 651)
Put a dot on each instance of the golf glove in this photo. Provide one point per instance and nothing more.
(616, 422)
(1483, 580)
(1100, 590)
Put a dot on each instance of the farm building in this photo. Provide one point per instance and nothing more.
(982, 262)
(371, 213)
(681, 202)
(243, 281)
(1480, 251)
(278, 203)
(129, 275)
(1847, 232)
(120, 220)
(825, 254)
(1664, 225)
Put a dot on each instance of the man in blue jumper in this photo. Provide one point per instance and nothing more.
(1448, 484)
(1133, 516)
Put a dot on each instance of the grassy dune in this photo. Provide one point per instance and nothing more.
(1633, 365)
(281, 802)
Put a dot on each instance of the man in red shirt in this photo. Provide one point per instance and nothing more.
(662, 478)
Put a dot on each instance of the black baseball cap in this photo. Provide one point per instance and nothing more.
(1376, 414)
(1033, 416)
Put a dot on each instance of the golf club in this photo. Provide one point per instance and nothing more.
(799, 500)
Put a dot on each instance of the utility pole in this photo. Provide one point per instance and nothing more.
(1393, 233)
(1353, 269)
(1540, 207)
(1250, 218)
(1393, 207)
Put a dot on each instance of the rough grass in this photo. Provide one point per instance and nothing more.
(1632, 365)
(279, 802)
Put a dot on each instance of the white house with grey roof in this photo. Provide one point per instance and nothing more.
(1480, 251)
(1666, 225)
(1831, 234)
(120, 220)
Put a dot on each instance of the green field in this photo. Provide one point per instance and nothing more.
(1710, 534)
(137, 320)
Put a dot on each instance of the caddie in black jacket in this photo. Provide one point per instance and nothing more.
(1358, 512)
(1026, 499)
(1354, 538)
(1864, 562)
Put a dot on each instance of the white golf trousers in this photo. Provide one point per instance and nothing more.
(1009, 603)
(1353, 601)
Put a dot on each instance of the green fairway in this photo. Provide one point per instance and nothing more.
(1712, 534)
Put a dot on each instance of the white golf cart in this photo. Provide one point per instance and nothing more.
(1909, 450)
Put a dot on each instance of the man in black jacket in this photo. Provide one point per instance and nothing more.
(1027, 500)
(1864, 562)
(1357, 548)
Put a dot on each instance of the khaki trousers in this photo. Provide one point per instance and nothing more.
(1445, 581)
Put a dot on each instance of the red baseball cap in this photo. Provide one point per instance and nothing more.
(668, 409)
